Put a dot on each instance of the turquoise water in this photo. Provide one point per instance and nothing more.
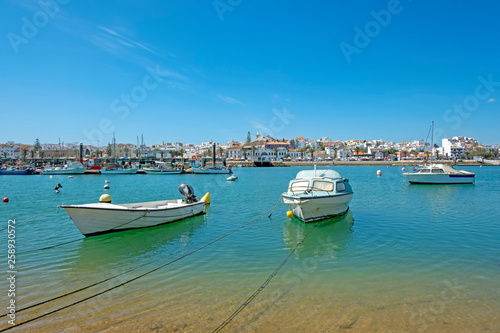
(404, 258)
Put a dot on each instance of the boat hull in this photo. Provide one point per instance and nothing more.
(211, 171)
(75, 171)
(100, 218)
(310, 209)
(440, 179)
(118, 171)
(17, 172)
(162, 172)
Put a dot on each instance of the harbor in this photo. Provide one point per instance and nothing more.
(391, 261)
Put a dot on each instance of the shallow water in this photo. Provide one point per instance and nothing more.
(404, 258)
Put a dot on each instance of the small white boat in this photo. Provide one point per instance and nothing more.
(104, 217)
(70, 168)
(439, 174)
(318, 194)
(162, 168)
(232, 178)
(118, 170)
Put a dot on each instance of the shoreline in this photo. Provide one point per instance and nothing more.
(348, 163)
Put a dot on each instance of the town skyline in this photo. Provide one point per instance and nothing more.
(195, 72)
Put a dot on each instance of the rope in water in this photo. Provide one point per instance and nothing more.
(252, 297)
(31, 218)
(130, 280)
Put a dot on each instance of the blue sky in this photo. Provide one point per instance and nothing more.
(194, 71)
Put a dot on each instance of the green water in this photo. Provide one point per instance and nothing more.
(404, 258)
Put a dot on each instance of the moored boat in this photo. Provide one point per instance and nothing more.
(105, 217)
(118, 170)
(212, 170)
(318, 194)
(162, 168)
(17, 171)
(67, 169)
(439, 174)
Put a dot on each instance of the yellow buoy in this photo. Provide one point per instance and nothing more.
(105, 198)
(206, 198)
(289, 214)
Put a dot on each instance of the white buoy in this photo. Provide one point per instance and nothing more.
(403, 169)
(50, 177)
(379, 172)
(57, 191)
(106, 186)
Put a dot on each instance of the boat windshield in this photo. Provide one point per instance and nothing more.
(301, 186)
(319, 185)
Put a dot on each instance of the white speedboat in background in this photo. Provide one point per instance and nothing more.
(105, 217)
(67, 169)
(118, 170)
(439, 174)
(162, 168)
(318, 194)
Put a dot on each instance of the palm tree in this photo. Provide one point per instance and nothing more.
(181, 154)
(244, 153)
(275, 154)
(335, 150)
(302, 151)
(24, 151)
(467, 154)
(221, 152)
(42, 154)
(311, 151)
(253, 151)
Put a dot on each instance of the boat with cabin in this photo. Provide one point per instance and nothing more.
(318, 194)
(118, 170)
(439, 174)
(162, 168)
(67, 169)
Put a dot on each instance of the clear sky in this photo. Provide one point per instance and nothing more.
(193, 71)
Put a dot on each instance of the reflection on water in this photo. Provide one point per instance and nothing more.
(329, 238)
(418, 258)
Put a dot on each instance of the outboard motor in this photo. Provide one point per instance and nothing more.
(188, 193)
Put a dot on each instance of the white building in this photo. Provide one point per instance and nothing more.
(454, 147)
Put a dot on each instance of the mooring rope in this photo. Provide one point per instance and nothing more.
(277, 203)
(132, 279)
(251, 298)
(32, 217)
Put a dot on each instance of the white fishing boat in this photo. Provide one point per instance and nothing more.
(214, 169)
(162, 168)
(318, 194)
(439, 174)
(105, 217)
(118, 170)
(67, 169)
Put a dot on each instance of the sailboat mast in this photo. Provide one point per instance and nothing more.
(432, 140)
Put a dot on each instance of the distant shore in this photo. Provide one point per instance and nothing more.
(353, 163)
